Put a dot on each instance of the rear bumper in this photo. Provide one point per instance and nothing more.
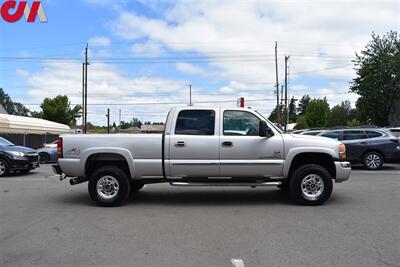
(343, 170)
(395, 157)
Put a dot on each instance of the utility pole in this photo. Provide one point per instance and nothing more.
(86, 85)
(108, 120)
(119, 125)
(83, 97)
(286, 93)
(277, 84)
(190, 95)
(282, 87)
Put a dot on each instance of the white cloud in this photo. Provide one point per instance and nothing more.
(148, 49)
(189, 68)
(99, 41)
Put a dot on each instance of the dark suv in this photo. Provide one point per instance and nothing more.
(16, 158)
(371, 147)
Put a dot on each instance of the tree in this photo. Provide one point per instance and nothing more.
(59, 110)
(317, 113)
(292, 110)
(339, 114)
(274, 115)
(135, 122)
(301, 123)
(303, 104)
(377, 79)
(12, 108)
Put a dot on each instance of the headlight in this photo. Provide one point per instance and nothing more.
(342, 151)
(16, 153)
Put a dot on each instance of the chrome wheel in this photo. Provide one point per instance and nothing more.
(107, 187)
(3, 168)
(312, 186)
(373, 161)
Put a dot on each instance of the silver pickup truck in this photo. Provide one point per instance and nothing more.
(205, 146)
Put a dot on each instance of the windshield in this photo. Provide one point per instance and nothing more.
(5, 142)
(273, 125)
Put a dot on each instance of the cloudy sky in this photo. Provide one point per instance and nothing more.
(144, 54)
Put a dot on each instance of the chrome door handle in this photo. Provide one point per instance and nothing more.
(227, 144)
(180, 144)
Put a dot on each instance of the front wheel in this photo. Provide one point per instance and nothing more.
(4, 170)
(373, 161)
(311, 185)
(109, 186)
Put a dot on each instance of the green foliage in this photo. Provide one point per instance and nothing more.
(12, 108)
(301, 123)
(377, 79)
(317, 113)
(353, 123)
(135, 122)
(303, 104)
(274, 115)
(339, 115)
(292, 110)
(59, 110)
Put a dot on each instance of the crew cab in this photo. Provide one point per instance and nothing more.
(204, 146)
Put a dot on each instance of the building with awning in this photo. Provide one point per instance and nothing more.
(30, 132)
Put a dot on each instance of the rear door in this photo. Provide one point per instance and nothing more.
(356, 142)
(194, 144)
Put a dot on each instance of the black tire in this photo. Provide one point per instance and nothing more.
(44, 158)
(118, 177)
(373, 161)
(136, 186)
(310, 172)
(6, 170)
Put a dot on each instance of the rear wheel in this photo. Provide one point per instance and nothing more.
(311, 185)
(4, 169)
(44, 158)
(109, 186)
(373, 161)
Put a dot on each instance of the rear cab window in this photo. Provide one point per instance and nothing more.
(195, 122)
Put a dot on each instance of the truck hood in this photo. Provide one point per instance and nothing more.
(310, 140)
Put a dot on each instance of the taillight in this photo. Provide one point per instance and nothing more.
(60, 148)
(397, 141)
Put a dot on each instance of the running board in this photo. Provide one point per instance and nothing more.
(225, 184)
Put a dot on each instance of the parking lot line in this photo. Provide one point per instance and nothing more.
(23, 179)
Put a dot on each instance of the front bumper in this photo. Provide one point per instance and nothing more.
(343, 170)
(23, 164)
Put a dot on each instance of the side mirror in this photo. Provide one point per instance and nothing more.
(264, 130)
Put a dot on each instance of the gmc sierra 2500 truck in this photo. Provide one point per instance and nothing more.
(204, 147)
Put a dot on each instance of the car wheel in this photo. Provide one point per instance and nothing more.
(109, 186)
(373, 161)
(311, 185)
(4, 169)
(44, 158)
(136, 186)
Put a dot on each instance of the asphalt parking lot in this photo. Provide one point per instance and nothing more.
(44, 222)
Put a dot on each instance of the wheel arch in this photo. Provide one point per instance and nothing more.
(319, 158)
(115, 157)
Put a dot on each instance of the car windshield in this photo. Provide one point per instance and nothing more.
(5, 142)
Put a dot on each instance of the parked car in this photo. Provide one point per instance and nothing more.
(395, 131)
(312, 132)
(371, 147)
(16, 158)
(47, 154)
(204, 147)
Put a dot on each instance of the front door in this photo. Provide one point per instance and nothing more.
(194, 144)
(243, 153)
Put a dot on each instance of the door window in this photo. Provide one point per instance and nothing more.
(241, 123)
(354, 135)
(332, 135)
(195, 122)
(373, 134)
